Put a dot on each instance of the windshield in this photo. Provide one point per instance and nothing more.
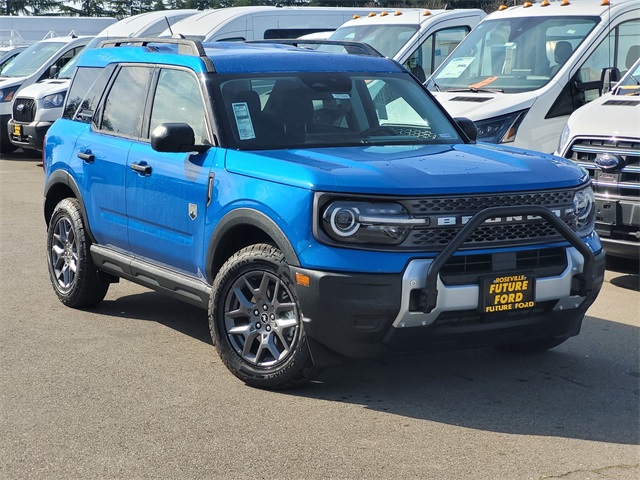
(512, 55)
(630, 83)
(34, 57)
(331, 109)
(387, 39)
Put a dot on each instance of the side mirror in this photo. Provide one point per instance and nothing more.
(608, 77)
(175, 137)
(53, 70)
(468, 127)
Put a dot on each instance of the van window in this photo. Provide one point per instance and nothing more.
(387, 39)
(124, 106)
(513, 55)
(434, 50)
(620, 49)
(290, 32)
(30, 61)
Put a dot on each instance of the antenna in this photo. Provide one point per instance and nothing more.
(169, 25)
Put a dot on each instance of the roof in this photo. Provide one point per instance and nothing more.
(408, 17)
(582, 8)
(238, 57)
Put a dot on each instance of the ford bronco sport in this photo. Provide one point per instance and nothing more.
(320, 205)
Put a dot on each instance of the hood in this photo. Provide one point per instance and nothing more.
(609, 115)
(9, 81)
(42, 89)
(481, 106)
(410, 170)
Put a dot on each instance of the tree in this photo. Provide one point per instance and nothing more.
(29, 7)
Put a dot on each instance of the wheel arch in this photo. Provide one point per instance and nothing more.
(241, 228)
(61, 185)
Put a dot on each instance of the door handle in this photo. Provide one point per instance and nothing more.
(141, 169)
(86, 156)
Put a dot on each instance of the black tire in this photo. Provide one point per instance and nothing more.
(74, 276)
(532, 346)
(256, 323)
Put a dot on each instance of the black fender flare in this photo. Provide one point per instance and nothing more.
(253, 218)
(58, 177)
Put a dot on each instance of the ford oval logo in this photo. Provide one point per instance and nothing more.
(606, 161)
(20, 107)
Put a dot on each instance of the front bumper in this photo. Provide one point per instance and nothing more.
(363, 315)
(30, 135)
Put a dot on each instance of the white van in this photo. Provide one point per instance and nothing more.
(523, 70)
(604, 138)
(39, 61)
(25, 30)
(38, 105)
(419, 39)
(263, 23)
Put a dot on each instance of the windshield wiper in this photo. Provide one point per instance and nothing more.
(476, 90)
(437, 87)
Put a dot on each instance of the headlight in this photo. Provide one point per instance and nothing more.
(364, 222)
(500, 129)
(564, 139)
(53, 101)
(584, 206)
(7, 94)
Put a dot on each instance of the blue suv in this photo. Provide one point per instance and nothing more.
(320, 205)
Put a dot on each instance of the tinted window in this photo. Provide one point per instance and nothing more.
(124, 106)
(178, 99)
(78, 96)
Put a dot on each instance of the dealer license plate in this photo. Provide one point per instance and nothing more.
(506, 293)
(17, 130)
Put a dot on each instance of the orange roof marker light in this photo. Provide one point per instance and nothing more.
(502, 7)
(372, 14)
(356, 16)
(527, 4)
(605, 3)
(398, 12)
(564, 3)
(545, 3)
(383, 14)
(426, 13)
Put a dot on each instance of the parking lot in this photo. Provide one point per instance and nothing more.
(134, 389)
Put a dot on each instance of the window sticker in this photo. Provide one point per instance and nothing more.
(455, 67)
(341, 96)
(243, 121)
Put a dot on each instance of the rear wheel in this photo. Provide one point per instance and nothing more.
(73, 274)
(256, 323)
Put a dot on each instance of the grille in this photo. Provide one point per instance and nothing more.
(620, 182)
(472, 204)
(520, 230)
(24, 110)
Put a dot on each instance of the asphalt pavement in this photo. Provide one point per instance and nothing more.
(134, 389)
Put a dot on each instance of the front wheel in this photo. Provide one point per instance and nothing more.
(256, 323)
(73, 274)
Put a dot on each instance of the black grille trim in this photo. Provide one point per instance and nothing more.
(24, 110)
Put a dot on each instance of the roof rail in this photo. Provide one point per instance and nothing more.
(185, 46)
(352, 48)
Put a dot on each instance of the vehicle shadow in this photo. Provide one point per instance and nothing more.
(587, 388)
(628, 270)
(22, 156)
